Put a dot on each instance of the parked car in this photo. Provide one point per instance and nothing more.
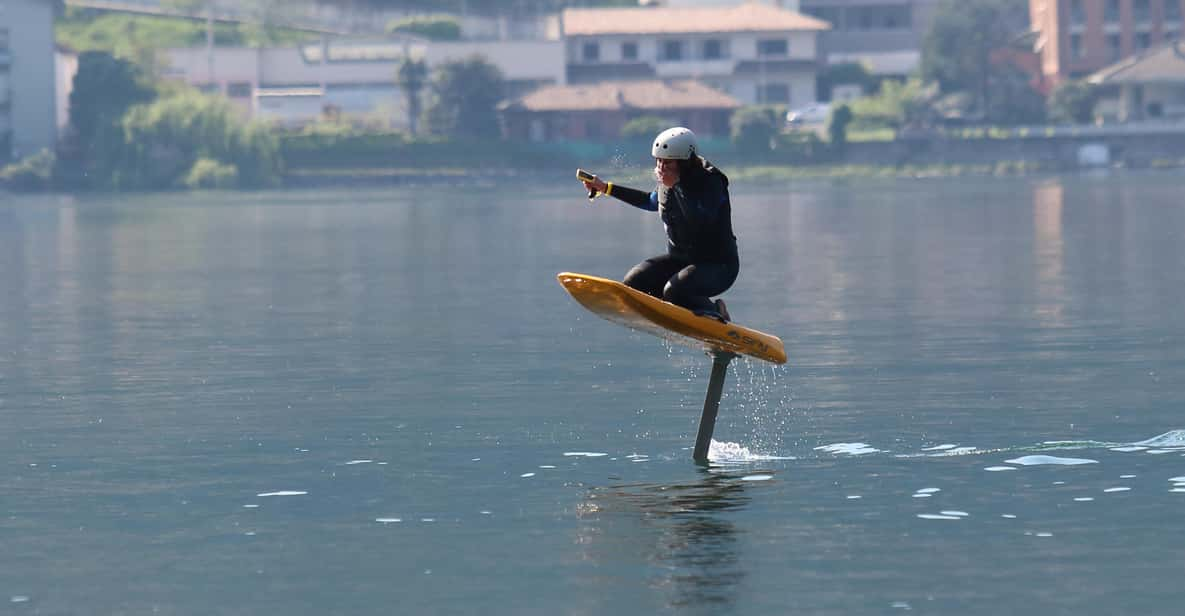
(811, 115)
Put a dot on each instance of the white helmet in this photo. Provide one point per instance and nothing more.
(678, 143)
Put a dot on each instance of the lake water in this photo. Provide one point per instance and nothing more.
(381, 402)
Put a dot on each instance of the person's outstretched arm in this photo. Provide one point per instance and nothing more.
(632, 196)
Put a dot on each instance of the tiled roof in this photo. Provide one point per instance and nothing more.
(748, 17)
(619, 95)
(1165, 63)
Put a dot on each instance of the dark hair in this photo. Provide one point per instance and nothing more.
(697, 168)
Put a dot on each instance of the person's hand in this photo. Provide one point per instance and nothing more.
(596, 184)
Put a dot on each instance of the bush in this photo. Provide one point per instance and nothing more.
(32, 173)
(209, 173)
(1073, 102)
(645, 127)
(896, 105)
(163, 140)
(753, 129)
(434, 28)
(797, 148)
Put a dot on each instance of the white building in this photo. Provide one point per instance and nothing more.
(28, 118)
(757, 53)
(884, 35)
(293, 84)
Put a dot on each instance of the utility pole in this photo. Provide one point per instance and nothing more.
(210, 42)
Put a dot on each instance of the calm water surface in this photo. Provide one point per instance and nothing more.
(382, 403)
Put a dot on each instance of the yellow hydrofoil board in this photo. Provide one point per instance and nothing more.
(616, 302)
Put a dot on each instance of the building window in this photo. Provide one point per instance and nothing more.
(768, 93)
(672, 51)
(1114, 47)
(714, 49)
(239, 89)
(1076, 51)
(1142, 11)
(1172, 9)
(590, 52)
(1111, 12)
(1077, 13)
(772, 47)
(1143, 40)
(629, 51)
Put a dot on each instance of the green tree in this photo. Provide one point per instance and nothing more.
(465, 98)
(753, 128)
(190, 136)
(837, 125)
(105, 87)
(957, 50)
(434, 28)
(411, 76)
(1012, 99)
(844, 73)
(1073, 102)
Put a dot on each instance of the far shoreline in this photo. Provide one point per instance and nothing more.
(758, 175)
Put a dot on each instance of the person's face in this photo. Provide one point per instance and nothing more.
(667, 171)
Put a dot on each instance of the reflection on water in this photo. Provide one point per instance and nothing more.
(682, 532)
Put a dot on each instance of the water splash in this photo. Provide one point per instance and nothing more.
(1171, 439)
(1049, 460)
(735, 453)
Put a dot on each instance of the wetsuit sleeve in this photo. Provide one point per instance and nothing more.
(636, 197)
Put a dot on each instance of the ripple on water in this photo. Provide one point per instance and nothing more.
(584, 454)
(1049, 460)
(996, 469)
(851, 449)
(283, 493)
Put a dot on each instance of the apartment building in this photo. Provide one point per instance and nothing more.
(1079, 37)
(28, 116)
(885, 35)
(757, 53)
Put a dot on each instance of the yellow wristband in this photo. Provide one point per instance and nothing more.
(609, 189)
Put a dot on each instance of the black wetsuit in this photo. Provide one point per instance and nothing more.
(701, 259)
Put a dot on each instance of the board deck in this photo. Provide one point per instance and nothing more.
(614, 301)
